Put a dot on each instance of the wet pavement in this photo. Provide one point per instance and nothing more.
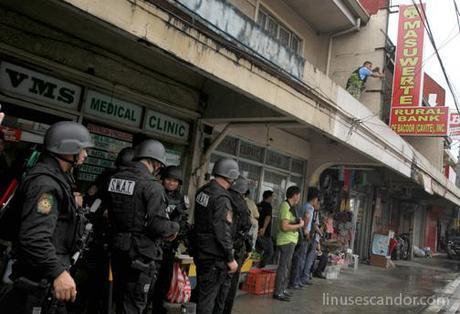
(411, 287)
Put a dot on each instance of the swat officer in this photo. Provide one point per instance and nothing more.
(139, 223)
(172, 181)
(212, 233)
(242, 241)
(47, 224)
(94, 291)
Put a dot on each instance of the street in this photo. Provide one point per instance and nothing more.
(405, 286)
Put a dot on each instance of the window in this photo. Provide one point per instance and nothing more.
(278, 31)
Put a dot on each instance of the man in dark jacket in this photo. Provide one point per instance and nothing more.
(140, 224)
(242, 241)
(48, 223)
(213, 241)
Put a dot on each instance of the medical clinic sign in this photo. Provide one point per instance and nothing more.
(407, 116)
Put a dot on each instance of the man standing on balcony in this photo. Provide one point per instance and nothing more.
(357, 81)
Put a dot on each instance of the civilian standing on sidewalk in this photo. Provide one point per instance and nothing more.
(264, 241)
(300, 253)
(286, 240)
(315, 236)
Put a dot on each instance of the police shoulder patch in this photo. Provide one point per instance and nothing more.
(122, 186)
(202, 199)
(45, 203)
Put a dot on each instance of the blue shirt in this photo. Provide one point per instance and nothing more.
(364, 73)
(309, 210)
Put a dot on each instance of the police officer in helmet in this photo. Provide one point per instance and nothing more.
(48, 223)
(140, 224)
(94, 290)
(172, 182)
(213, 243)
(242, 241)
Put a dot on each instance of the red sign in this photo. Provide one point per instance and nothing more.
(433, 93)
(420, 121)
(409, 57)
(11, 134)
(454, 125)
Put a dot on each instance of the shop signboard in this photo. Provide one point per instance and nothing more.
(34, 85)
(172, 157)
(380, 244)
(11, 134)
(166, 125)
(113, 109)
(107, 144)
(420, 121)
(454, 125)
(408, 117)
(407, 79)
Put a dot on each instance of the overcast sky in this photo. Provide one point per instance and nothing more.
(443, 22)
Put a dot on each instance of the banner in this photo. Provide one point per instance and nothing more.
(407, 79)
(420, 121)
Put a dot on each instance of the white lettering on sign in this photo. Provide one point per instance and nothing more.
(122, 186)
(163, 124)
(114, 109)
(202, 199)
(34, 85)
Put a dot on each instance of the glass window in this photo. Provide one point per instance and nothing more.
(251, 152)
(252, 173)
(278, 31)
(228, 145)
(284, 36)
(275, 182)
(295, 44)
(297, 166)
(262, 19)
(272, 27)
(277, 160)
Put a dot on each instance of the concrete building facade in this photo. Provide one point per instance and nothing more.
(259, 80)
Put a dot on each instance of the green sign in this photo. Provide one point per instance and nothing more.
(163, 124)
(110, 108)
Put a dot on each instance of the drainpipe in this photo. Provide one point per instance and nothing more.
(355, 28)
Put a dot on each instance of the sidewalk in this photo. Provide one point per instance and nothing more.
(417, 278)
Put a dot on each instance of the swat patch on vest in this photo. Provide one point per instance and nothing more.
(202, 199)
(122, 186)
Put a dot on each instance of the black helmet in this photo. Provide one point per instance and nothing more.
(227, 168)
(150, 149)
(172, 172)
(67, 138)
(124, 157)
(241, 185)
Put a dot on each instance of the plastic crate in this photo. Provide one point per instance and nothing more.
(260, 281)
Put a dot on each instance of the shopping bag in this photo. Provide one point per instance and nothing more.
(180, 288)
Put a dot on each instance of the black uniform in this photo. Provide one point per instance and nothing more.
(139, 222)
(213, 246)
(48, 232)
(242, 242)
(176, 211)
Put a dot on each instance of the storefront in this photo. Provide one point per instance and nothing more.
(32, 101)
(266, 168)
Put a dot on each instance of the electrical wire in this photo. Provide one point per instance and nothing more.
(426, 24)
(457, 13)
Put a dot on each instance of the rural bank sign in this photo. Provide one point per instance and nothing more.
(408, 116)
